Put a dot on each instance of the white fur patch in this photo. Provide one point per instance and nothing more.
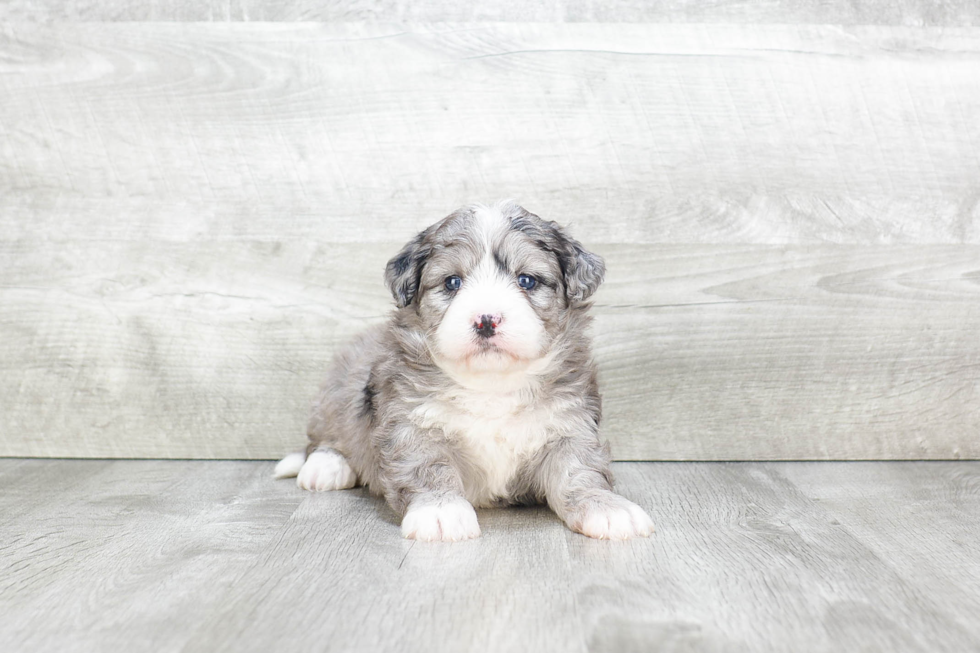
(490, 221)
(615, 518)
(326, 470)
(289, 466)
(495, 431)
(519, 336)
(451, 521)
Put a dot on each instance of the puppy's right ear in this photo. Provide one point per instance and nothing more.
(404, 272)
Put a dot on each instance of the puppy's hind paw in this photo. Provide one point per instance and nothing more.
(612, 518)
(449, 521)
(326, 469)
(289, 466)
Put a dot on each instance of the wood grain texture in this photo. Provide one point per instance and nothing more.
(791, 353)
(869, 12)
(929, 540)
(649, 133)
(705, 352)
(113, 555)
(216, 556)
(194, 216)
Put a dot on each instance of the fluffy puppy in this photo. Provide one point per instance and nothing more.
(479, 391)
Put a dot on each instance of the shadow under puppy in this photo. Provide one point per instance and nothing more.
(479, 391)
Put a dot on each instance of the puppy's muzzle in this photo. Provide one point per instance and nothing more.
(486, 325)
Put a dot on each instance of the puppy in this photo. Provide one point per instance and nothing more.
(479, 391)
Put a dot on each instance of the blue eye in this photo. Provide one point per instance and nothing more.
(526, 281)
(453, 283)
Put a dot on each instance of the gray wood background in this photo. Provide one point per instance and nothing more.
(193, 215)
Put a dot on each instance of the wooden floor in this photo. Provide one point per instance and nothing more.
(216, 556)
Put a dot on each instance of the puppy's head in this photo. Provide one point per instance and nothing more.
(492, 288)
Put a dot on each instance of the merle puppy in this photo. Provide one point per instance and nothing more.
(479, 391)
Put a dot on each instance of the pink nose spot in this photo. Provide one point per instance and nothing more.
(486, 325)
(482, 321)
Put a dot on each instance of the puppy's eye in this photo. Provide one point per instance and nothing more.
(453, 283)
(526, 281)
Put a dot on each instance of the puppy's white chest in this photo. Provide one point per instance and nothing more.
(497, 433)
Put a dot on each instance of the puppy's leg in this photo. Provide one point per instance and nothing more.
(326, 469)
(575, 479)
(440, 518)
(422, 481)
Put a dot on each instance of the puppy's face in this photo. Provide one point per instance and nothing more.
(491, 286)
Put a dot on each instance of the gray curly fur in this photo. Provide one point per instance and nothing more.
(365, 407)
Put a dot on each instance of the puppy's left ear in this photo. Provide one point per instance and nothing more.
(403, 273)
(583, 270)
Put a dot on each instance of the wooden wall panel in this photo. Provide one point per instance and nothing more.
(193, 216)
(706, 352)
(656, 133)
(837, 12)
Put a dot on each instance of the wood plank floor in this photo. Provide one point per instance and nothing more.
(215, 556)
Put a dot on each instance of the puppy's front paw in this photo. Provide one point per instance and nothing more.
(448, 521)
(611, 517)
(326, 470)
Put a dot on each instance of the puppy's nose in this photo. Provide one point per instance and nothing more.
(486, 325)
